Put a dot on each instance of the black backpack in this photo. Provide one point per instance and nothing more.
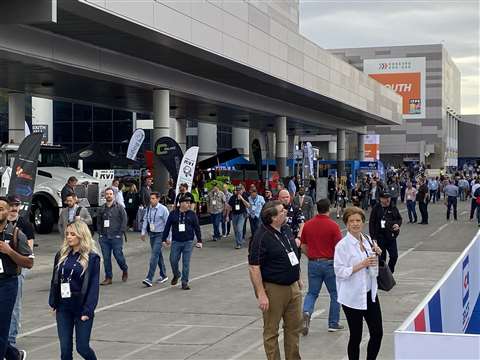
(90, 227)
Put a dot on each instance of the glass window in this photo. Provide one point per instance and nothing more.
(102, 114)
(82, 132)
(82, 112)
(62, 111)
(102, 131)
(62, 133)
(122, 131)
(144, 116)
(121, 115)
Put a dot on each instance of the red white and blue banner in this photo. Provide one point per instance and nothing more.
(446, 325)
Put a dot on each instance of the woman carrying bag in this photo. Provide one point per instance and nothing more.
(356, 270)
(74, 290)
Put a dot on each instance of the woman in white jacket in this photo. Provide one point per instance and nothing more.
(356, 268)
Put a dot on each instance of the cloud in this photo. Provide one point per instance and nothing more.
(363, 23)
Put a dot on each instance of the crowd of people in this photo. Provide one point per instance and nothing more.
(284, 224)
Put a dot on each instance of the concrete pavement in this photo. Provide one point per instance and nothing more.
(218, 318)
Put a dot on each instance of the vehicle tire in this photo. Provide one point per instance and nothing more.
(43, 217)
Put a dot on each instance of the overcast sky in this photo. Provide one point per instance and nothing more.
(361, 23)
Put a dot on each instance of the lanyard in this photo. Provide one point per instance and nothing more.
(281, 242)
(152, 220)
(71, 272)
(181, 217)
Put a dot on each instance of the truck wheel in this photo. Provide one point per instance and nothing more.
(43, 217)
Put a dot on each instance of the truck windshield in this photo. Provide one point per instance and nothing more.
(53, 157)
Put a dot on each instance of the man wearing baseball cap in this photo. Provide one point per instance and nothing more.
(184, 225)
(385, 222)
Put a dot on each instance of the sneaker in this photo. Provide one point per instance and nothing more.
(237, 247)
(306, 323)
(186, 287)
(335, 328)
(147, 283)
(23, 354)
(224, 236)
(161, 280)
(174, 281)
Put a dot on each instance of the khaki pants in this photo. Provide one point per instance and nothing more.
(284, 302)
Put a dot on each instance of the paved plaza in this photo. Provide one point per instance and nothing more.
(219, 318)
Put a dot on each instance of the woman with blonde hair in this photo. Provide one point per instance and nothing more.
(74, 290)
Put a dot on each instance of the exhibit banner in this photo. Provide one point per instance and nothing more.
(371, 147)
(405, 76)
(187, 168)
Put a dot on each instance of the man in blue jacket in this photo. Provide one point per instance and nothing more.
(184, 225)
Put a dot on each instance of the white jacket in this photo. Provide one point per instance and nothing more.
(352, 288)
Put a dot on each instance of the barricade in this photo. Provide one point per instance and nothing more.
(446, 324)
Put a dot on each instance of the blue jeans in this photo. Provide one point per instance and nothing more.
(238, 221)
(322, 272)
(452, 202)
(17, 311)
(8, 295)
(433, 196)
(216, 219)
(412, 213)
(254, 223)
(116, 245)
(66, 322)
(226, 224)
(183, 249)
(156, 259)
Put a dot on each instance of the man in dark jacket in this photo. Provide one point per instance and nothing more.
(385, 222)
(111, 224)
(69, 188)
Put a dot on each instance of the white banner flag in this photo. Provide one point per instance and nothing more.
(310, 157)
(135, 143)
(187, 168)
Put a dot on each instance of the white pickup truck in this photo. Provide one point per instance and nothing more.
(52, 174)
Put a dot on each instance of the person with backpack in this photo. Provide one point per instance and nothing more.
(73, 212)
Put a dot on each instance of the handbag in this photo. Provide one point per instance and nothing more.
(385, 279)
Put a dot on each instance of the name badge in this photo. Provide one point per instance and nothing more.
(152, 227)
(65, 290)
(1, 267)
(237, 207)
(293, 258)
(130, 201)
(106, 223)
(382, 224)
(214, 202)
(393, 189)
(181, 227)
(254, 207)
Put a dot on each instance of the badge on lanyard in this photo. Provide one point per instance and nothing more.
(293, 258)
(65, 290)
(181, 227)
(382, 224)
(130, 201)
(1, 267)
(254, 207)
(214, 202)
(237, 207)
(106, 223)
(152, 227)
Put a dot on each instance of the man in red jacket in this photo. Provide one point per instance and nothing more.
(319, 237)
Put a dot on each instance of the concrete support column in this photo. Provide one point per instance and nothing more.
(341, 152)
(241, 141)
(161, 127)
(207, 140)
(181, 134)
(16, 117)
(281, 145)
(361, 147)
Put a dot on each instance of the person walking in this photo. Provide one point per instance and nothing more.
(433, 188)
(74, 290)
(72, 212)
(451, 192)
(23, 224)
(15, 253)
(292, 186)
(340, 200)
(394, 190)
(154, 222)
(357, 195)
(117, 190)
(238, 204)
(111, 224)
(332, 187)
(256, 202)
(320, 235)
(384, 225)
(268, 195)
(473, 205)
(476, 197)
(132, 202)
(295, 217)
(356, 268)
(145, 192)
(305, 203)
(411, 195)
(275, 275)
(364, 188)
(68, 188)
(216, 207)
(374, 193)
(226, 220)
(183, 222)
(422, 199)
(463, 187)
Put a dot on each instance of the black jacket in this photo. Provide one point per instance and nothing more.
(391, 215)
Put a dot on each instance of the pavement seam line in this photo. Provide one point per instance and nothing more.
(107, 307)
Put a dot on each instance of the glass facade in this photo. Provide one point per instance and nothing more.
(224, 138)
